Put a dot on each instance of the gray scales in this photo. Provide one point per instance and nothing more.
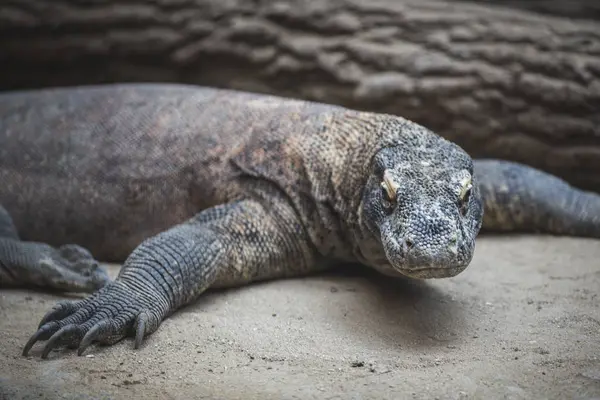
(194, 188)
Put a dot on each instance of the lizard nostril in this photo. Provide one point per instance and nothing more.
(407, 244)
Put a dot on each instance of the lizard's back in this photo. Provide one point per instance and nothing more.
(107, 167)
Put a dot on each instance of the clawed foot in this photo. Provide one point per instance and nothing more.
(69, 268)
(109, 315)
(72, 268)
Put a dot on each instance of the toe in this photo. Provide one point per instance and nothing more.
(43, 333)
(61, 310)
(140, 329)
(97, 332)
(66, 334)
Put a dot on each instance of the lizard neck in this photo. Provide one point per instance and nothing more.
(346, 146)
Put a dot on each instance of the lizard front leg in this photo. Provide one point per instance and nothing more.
(223, 246)
(518, 198)
(69, 268)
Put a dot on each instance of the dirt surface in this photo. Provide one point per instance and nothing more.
(523, 321)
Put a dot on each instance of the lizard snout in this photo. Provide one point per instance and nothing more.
(424, 256)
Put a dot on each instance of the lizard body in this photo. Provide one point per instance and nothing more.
(194, 188)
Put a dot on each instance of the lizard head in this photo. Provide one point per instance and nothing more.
(422, 207)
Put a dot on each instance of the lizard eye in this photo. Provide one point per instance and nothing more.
(464, 196)
(386, 193)
(388, 187)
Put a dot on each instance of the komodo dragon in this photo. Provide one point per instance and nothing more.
(194, 188)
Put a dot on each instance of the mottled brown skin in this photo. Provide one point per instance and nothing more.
(194, 188)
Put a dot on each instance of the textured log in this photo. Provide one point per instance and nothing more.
(502, 83)
(584, 9)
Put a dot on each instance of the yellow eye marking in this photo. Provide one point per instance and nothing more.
(389, 185)
(467, 184)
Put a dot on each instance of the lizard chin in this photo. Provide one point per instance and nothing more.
(431, 272)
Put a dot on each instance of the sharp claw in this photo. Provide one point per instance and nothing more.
(140, 329)
(59, 311)
(45, 329)
(91, 335)
(54, 339)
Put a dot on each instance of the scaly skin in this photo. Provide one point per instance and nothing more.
(195, 188)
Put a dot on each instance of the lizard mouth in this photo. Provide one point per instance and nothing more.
(431, 272)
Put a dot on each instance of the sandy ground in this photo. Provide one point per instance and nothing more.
(523, 321)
